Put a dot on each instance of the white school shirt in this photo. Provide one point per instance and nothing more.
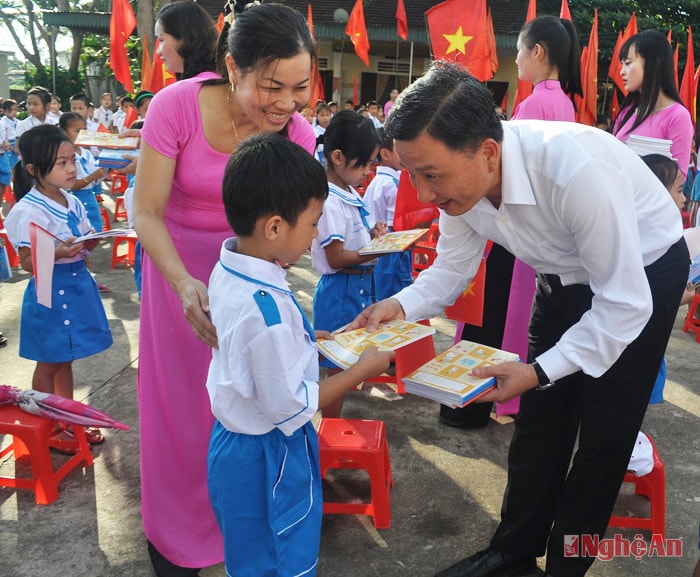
(52, 119)
(377, 123)
(380, 196)
(86, 164)
(118, 119)
(342, 220)
(9, 127)
(578, 203)
(27, 123)
(261, 377)
(50, 215)
(103, 116)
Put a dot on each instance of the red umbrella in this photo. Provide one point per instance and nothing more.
(57, 408)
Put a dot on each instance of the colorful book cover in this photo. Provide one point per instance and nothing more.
(345, 348)
(447, 378)
(393, 241)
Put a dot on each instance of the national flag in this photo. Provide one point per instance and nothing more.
(564, 12)
(615, 64)
(102, 128)
(160, 77)
(357, 30)
(588, 108)
(493, 52)
(131, 116)
(525, 88)
(675, 66)
(310, 21)
(220, 23)
(146, 65)
(469, 306)
(459, 33)
(614, 105)
(43, 259)
(121, 25)
(689, 87)
(401, 20)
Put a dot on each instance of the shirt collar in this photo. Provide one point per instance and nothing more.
(515, 180)
(349, 197)
(388, 170)
(251, 268)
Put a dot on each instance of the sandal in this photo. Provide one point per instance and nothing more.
(94, 436)
(63, 441)
(103, 288)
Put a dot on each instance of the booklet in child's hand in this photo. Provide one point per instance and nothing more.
(345, 349)
(447, 378)
(393, 241)
(105, 140)
(106, 234)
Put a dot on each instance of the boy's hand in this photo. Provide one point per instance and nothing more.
(324, 335)
(373, 362)
(379, 229)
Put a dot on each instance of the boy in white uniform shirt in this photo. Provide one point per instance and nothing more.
(104, 115)
(263, 461)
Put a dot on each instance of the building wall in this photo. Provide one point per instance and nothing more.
(4, 67)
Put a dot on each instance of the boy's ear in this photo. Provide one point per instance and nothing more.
(385, 154)
(30, 169)
(272, 227)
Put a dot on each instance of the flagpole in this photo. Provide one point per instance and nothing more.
(410, 64)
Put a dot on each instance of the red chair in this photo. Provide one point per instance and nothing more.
(127, 258)
(119, 209)
(424, 252)
(31, 435)
(120, 182)
(653, 487)
(358, 444)
(692, 322)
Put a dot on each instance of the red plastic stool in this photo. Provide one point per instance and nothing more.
(424, 252)
(31, 435)
(106, 225)
(119, 209)
(127, 258)
(119, 182)
(12, 256)
(407, 360)
(653, 487)
(358, 444)
(8, 196)
(691, 322)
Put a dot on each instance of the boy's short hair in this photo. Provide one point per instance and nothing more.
(8, 103)
(270, 175)
(385, 141)
(105, 94)
(82, 97)
(126, 99)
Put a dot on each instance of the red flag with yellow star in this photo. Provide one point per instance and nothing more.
(469, 306)
(357, 30)
(459, 33)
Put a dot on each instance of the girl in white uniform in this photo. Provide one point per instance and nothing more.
(75, 326)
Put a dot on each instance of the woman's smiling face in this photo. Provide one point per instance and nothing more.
(269, 97)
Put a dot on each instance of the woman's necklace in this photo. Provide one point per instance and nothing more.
(228, 104)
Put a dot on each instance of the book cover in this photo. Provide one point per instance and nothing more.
(393, 241)
(447, 378)
(345, 349)
(105, 140)
(115, 158)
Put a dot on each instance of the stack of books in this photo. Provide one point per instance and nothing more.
(644, 145)
(447, 378)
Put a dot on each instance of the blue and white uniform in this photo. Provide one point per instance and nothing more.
(341, 294)
(76, 326)
(86, 164)
(263, 465)
(393, 271)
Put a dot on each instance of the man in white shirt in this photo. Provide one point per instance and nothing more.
(606, 241)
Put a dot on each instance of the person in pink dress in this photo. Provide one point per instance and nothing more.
(653, 106)
(192, 128)
(549, 57)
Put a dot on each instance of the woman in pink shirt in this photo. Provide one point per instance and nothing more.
(653, 106)
(192, 128)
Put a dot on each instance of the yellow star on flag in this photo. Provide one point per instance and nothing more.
(458, 41)
(469, 290)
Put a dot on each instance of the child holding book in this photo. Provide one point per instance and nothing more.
(263, 464)
(393, 271)
(345, 288)
(76, 324)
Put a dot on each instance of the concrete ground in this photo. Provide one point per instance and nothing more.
(448, 482)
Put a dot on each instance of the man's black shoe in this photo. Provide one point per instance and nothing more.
(491, 563)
